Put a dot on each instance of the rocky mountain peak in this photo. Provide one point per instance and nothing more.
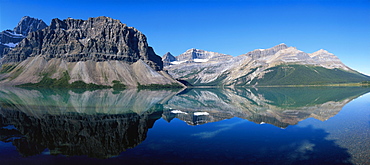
(320, 52)
(28, 24)
(168, 57)
(193, 50)
(260, 53)
(10, 38)
(191, 54)
(57, 24)
(327, 59)
(97, 39)
(282, 44)
(198, 55)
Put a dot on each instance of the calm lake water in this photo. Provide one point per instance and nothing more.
(323, 125)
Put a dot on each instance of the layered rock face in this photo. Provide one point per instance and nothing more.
(98, 50)
(250, 68)
(95, 39)
(263, 53)
(10, 38)
(28, 24)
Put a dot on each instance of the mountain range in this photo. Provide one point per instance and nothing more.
(105, 52)
(279, 65)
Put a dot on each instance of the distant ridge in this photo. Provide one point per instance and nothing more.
(279, 65)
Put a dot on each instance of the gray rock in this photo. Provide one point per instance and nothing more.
(259, 53)
(99, 50)
(192, 55)
(10, 38)
(28, 24)
(168, 58)
(97, 39)
(220, 70)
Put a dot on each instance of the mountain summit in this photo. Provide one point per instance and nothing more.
(10, 38)
(28, 24)
(194, 56)
(168, 58)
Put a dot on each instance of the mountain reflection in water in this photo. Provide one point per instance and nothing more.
(277, 106)
(104, 123)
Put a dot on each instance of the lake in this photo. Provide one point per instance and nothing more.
(305, 125)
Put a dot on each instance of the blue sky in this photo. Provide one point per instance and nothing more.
(232, 27)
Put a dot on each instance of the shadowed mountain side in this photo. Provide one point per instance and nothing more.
(277, 106)
(97, 135)
(10, 38)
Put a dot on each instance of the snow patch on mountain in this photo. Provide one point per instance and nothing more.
(201, 60)
(12, 45)
(210, 68)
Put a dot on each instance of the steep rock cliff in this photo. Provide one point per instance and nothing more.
(10, 38)
(98, 50)
(96, 39)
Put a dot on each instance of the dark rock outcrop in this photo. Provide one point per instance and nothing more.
(10, 38)
(168, 58)
(29, 24)
(96, 39)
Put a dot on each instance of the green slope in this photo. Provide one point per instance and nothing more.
(308, 75)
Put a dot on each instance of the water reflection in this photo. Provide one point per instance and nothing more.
(104, 123)
(94, 123)
(277, 106)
